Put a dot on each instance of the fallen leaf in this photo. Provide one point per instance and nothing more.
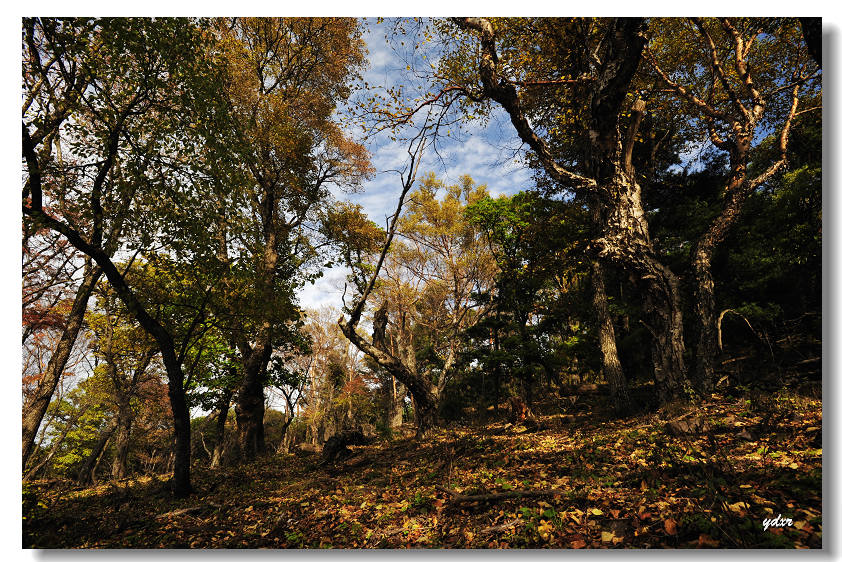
(670, 526)
(578, 544)
(607, 536)
(706, 540)
(738, 507)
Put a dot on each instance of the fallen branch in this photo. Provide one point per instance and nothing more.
(456, 497)
(187, 510)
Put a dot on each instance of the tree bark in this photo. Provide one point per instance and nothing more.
(250, 407)
(125, 416)
(36, 409)
(625, 232)
(742, 121)
(394, 403)
(608, 346)
(219, 446)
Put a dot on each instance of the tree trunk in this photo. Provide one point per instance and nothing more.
(706, 350)
(121, 442)
(426, 402)
(219, 446)
(737, 191)
(394, 403)
(250, 408)
(86, 473)
(36, 409)
(616, 195)
(663, 299)
(608, 346)
(625, 232)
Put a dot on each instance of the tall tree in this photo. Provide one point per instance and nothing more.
(56, 71)
(603, 68)
(284, 78)
(120, 120)
(751, 79)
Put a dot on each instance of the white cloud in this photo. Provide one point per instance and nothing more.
(488, 153)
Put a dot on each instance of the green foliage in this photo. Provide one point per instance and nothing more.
(538, 245)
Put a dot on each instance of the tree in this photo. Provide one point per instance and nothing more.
(124, 102)
(283, 80)
(423, 395)
(756, 71)
(56, 71)
(603, 67)
(126, 352)
(447, 261)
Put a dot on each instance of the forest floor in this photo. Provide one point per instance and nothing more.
(685, 477)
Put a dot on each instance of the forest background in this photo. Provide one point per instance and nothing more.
(379, 203)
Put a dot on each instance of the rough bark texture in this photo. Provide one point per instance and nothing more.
(250, 409)
(250, 398)
(607, 343)
(625, 232)
(395, 394)
(36, 409)
(737, 192)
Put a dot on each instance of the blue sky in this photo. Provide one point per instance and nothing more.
(487, 152)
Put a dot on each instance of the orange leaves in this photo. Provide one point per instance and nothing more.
(390, 500)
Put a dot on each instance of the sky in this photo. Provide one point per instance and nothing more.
(485, 151)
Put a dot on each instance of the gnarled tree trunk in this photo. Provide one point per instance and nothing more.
(423, 394)
(625, 232)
